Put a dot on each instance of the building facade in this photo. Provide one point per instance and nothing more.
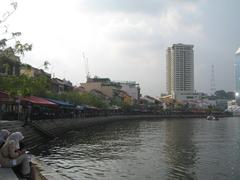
(237, 73)
(30, 71)
(105, 85)
(180, 71)
(132, 88)
(9, 63)
(60, 85)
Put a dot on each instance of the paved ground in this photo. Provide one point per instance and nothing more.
(7, 174)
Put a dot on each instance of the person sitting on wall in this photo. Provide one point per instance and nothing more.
(11, 155)
(4, 133)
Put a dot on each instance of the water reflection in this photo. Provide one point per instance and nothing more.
(149, 149)
(180, 150)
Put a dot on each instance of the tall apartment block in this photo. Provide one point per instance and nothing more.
(180, 71)
(237, 73)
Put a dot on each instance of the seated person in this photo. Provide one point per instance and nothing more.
(4, 133)
(11, 155)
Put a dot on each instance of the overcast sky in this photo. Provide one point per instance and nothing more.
(126, 39)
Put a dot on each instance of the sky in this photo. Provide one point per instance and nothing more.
(126, 40)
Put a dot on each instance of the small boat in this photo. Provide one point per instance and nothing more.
(211, 117)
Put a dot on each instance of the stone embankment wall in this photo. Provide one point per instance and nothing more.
(39, 131)
(32, 138)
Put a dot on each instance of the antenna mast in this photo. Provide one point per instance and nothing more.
(85, 59)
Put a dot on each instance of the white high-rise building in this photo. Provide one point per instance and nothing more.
(237, 72)
(180, 71)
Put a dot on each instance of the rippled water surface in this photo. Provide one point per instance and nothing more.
(149, 149)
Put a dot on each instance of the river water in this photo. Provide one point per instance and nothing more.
(149, 149)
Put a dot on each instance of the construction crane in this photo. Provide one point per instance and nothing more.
(85, 59)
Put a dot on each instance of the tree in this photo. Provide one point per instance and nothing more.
(24, 85)
(221, 94)
(46, 64)
(75, 97)
(230, 95)
(11, 39)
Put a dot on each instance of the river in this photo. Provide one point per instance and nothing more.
(149, 150)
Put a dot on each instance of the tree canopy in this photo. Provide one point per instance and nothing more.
(23, 85)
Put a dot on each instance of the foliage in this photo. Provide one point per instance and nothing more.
(24, 85)
(78, 98)
(221, 94)
(46, 65)
(118, 102)
(18, 47)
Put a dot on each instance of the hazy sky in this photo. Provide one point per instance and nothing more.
(126, 39)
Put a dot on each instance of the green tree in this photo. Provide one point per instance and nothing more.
(24, 85)
(78, 99)
(221, 94)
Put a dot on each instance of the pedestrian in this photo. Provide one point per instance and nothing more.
(12, 156)
(28, 115)
(4, 133)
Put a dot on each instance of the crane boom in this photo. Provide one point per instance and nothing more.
(85, 59)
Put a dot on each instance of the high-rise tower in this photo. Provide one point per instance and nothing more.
(237, 73)
(180, 70)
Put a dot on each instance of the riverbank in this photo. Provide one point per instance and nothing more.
(145, 149)
(39, 132)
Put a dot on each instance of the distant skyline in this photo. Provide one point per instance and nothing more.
(127, 40)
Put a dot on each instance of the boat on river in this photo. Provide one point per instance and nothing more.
(211, 117)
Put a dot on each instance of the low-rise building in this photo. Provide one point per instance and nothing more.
(30, 71)
(150, 99)
(99, 94)
(59, 85)
(131, 88)
(9, 62)
(123, 97)
(79, 89)
(221, 104)
(182, 96)
(105, 85)
(234, 107)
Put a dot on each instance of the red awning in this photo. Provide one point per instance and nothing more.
(4, 97)
(38, 101)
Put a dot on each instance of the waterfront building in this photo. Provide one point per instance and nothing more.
(30, 71)
(131, 88)
(180, 71)
(60, 85)
(124, 91)
(9, 62)
(105, 85)
(99, 94)
(234, 107)
(122, 96)
(150, 99)
(237, 74)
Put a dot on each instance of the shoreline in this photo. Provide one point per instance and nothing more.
(41, 131)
